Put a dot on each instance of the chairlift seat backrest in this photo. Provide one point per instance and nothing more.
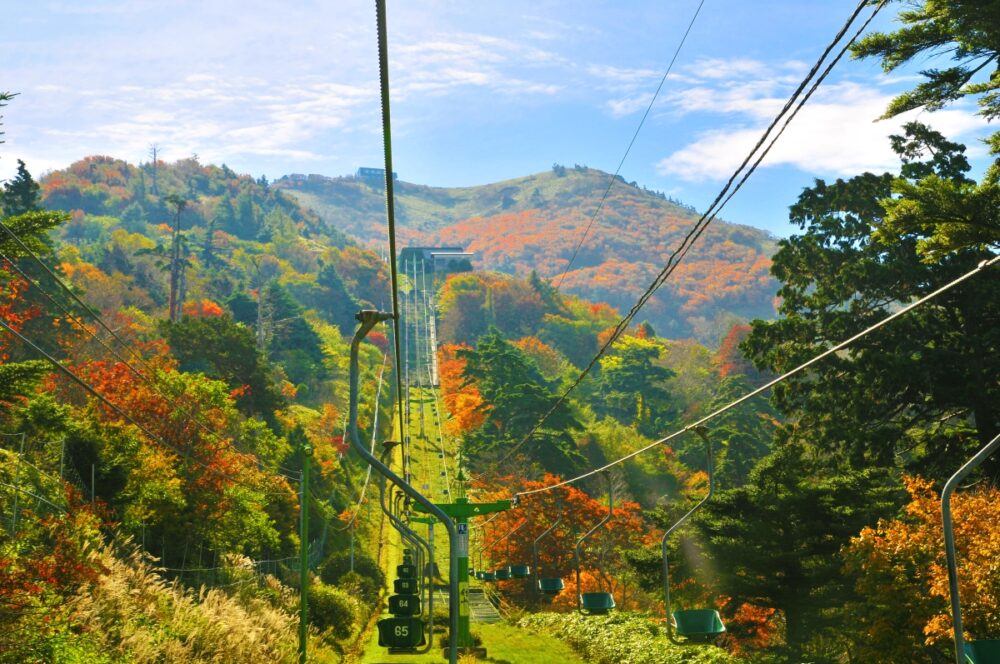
(400, 632)
(698, 623)
(597, 602)
(520, 571)
(986, 651)
(551, 586)
(404, 605)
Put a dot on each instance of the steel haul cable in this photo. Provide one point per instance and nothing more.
(713, 210)
(785, 376)
(635, 135)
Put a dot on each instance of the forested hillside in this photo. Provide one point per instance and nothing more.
(206, 456)
(536, 223)
(199, 318)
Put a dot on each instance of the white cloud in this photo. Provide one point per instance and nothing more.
(628, 105)
(834, 134)
(463, 60)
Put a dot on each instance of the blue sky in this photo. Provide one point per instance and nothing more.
(481, 91)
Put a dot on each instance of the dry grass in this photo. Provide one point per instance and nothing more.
(141, 618)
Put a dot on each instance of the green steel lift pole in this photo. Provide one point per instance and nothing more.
(461, 511)
(368, 320)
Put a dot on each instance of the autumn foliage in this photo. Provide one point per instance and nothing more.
(903, 580)
(602, 562)
(463, 402)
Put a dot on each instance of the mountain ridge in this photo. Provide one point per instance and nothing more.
(535, 222)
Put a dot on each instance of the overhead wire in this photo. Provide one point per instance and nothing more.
(783, 377)
(710, 214)
(635, 135)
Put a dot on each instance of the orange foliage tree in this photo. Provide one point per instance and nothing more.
(579, 512)
(904, 612)
(188, 481)
(463, 401)
(202, 308)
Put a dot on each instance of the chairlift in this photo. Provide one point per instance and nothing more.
(594, 603)
(695, 625)
(547, 585)
(980, 651)
(509, 571)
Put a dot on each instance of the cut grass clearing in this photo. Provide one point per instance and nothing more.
(505, 644)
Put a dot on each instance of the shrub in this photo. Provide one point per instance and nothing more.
(623, 637)
(362, 587)
(332, 608)
(339, 563)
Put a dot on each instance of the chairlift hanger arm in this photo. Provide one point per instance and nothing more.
(949, 540)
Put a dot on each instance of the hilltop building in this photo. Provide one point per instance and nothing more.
(373, 174)
(438, 259)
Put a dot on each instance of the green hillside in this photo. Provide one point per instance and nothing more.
(537, 221)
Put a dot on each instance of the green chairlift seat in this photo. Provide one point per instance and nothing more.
(596, 603)
(406, 571)
(405, 586)
(694, 625)
(982, 652)
(698, 624)
(400, 633)
(502, 574)
(551, 586)
(404, 605)
(520, 571)
(480, 574)
(489, 576)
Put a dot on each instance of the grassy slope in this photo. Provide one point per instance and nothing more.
(505, 643)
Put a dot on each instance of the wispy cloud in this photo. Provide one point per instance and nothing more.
(835, 133)
(445, 63)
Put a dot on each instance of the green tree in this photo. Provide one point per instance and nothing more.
(922, 390)
(632, 385)
(292, 342)
(21, 194)
(515, 397)
(225, 216)
(336, 304)
(775, 541)
(951, 212)
(968, 30)
(221, 348)
(134, 218)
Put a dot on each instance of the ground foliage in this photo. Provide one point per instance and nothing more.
(622, 637)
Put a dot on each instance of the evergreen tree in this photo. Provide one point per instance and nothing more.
(632, 386)
(775, 542)
(220, 348)
(21, 194)
(515, 397)
(969, 30)
(292, 342)
(921, 391)
(225, 216)
(337, 304)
